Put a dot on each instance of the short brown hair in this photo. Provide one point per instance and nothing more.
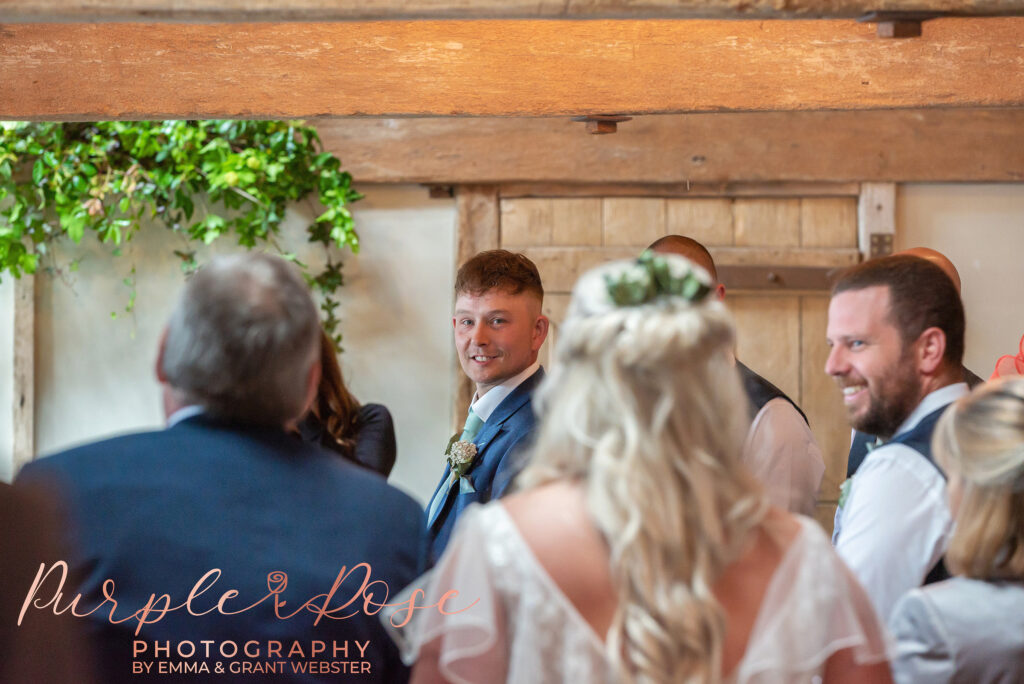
(498, 269)
(921, 296)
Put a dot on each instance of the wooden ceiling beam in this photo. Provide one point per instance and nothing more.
(687, 153)
(12, 11)
(498, 68)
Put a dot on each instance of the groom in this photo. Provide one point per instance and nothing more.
(499, 329)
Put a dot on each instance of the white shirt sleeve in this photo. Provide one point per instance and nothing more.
(781, 452)
(894, 525)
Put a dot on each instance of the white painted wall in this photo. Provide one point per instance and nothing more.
(94, 374)
(980, 227)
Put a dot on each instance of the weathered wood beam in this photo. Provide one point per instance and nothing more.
(775, 278)
(876, 219)
(477, 228)
(498, 68)
(561, 267)
(363, 10)
(691, 190)
(698, 152)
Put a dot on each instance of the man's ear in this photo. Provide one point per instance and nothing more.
(720, 292)
(540, 332)
(161, 376)
(931, 348)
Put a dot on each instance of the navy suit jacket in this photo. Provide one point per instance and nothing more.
(155, 511)
(500, 457)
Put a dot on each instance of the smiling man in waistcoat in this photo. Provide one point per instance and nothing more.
(896, 333)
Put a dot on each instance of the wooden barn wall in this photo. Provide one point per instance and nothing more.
(781, 335)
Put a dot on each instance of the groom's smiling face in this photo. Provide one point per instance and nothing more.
(497, 335)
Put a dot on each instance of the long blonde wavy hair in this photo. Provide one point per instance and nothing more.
(980, 441)
(644, 407)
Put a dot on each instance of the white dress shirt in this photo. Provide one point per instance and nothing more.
(184, 413)
(895, 523)
(484, 406)
(782, 454)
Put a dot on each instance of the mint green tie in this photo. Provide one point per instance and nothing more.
(471, 428)
(469, 433)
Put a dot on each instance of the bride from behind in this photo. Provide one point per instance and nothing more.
(638, 549)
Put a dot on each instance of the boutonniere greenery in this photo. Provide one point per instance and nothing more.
(844, 491)
(460, 455)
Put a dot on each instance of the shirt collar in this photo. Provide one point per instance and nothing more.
(484, 406)
(933, 402)
(184, 413)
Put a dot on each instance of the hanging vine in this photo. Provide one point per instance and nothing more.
(204, 180)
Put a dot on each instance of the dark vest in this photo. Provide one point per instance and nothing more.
(920, 440)
(760, 391)
(859, 445)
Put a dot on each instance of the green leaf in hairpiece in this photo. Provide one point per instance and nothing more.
(650, 277)
(630, 288)
(693, 289)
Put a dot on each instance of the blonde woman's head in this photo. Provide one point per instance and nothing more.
(644, 406)
(979, 442)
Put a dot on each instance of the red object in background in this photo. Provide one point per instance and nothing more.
(1010, 365)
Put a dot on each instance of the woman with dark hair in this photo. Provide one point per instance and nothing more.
(362, 434)
(971, 628)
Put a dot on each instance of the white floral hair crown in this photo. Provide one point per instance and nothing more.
(652, 276)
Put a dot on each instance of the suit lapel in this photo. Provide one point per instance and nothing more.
(492, 428)
(506, 409)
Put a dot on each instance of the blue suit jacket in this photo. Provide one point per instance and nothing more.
(500, 457)
(155, 511)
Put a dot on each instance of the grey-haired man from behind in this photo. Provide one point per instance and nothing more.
(227, 487)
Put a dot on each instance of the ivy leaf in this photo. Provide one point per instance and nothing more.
(108, 176)
(74, 225)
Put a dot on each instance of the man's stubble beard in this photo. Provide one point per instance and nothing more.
(900, 395)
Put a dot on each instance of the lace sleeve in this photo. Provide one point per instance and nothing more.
(463, 639)
(813, 608)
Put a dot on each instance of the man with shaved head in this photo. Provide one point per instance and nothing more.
(780, 449)
(937, 258)
(861, 443)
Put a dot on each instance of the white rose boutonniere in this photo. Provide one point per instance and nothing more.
(460, 457)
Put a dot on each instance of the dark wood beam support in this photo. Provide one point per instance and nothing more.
(776, 278)
(689, 153)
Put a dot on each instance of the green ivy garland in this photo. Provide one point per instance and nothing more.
(203, 179)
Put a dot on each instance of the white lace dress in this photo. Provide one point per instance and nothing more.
(524, 629)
